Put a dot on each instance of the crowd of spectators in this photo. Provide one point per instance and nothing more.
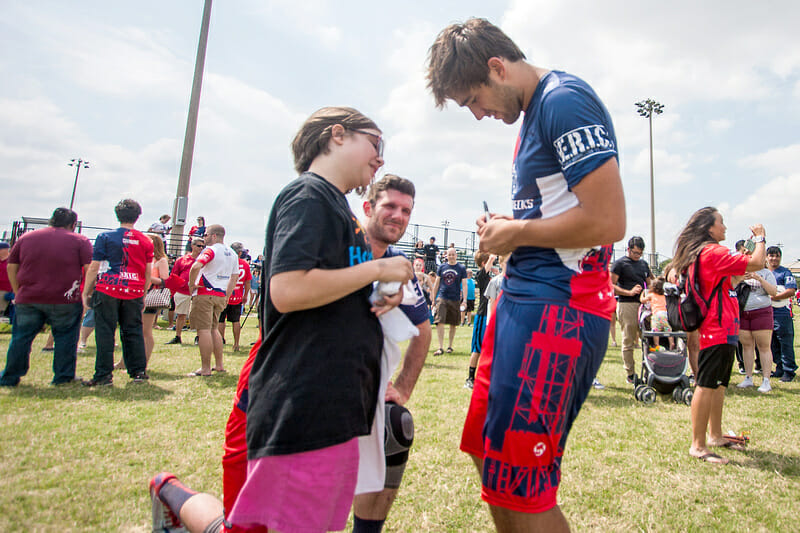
(122, 282)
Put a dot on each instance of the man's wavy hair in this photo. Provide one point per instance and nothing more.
(390, 181)
(315, 133)
(458, 59)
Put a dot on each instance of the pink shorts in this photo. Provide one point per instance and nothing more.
(301, 492)
(757, 319)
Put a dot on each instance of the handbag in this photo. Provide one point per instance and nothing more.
(157, 298)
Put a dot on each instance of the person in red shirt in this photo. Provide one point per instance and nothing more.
(120, 273)
(241, 292)
(698, 247)
(182, 295)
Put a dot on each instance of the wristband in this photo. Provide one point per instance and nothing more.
(758, 238)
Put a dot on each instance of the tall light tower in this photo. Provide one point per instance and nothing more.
(180, 207)
(78, 164)
(646, 108)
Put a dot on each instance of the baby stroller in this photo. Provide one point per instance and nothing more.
(663, 368)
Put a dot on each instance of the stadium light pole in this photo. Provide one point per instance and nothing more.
(180, 208)
(78, 164)
(646, 108)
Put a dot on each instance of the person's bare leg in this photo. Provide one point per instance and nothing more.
(180, 321)
(147, 333)
(550, 521)
(171, 318)
(217, 339)
(221, 329)
(693, 347)
(374, 505)
(748, 351)
(452, 336)
(440, 334)
(206, 345)
(200, 511)
(763, 340)
(236, 327)
(715, 416)
(700, 413)
(85, 332)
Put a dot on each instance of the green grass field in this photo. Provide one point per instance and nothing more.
(77, 459)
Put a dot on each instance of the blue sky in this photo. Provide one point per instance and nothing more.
(110, 82)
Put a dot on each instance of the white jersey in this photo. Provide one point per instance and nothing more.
(219, 262)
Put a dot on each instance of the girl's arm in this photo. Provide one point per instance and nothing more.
(298, 290)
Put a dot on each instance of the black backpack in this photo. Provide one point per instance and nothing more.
(686, 307)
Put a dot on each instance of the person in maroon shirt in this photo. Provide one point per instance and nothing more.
(182, 295)
(45, 269)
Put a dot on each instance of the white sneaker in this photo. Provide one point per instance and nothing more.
(765, 386)
(748, 382)
(597, 385)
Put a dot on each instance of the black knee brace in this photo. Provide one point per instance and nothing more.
(398, 436)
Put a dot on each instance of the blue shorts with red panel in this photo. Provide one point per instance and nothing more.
(536, 369)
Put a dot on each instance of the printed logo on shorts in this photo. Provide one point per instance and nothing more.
(539, 449)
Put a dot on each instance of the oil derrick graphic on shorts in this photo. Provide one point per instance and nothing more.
(538, 422)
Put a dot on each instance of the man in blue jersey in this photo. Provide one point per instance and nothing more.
(450, 289)
(783, 329)
(548, 335)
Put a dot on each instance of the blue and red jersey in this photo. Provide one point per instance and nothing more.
(124, 256)
(566, 134)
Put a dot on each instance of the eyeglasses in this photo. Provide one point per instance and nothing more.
(379, 145)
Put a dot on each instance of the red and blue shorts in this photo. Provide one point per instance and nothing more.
(536, 369)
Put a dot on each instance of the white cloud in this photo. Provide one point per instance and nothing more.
(310, 18)
(720, 124)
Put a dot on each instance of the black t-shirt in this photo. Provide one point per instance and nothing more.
(631, 273)
(314, 382)
(482, 279)
(431, 251)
